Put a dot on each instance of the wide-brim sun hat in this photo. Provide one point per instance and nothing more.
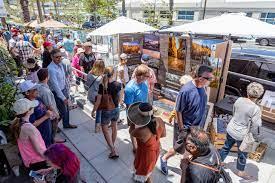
(23, 105)
(29, 65)
(140, 114)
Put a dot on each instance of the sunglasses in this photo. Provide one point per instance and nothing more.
(57, 56)
(208, 79)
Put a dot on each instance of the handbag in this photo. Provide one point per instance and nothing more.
(106, 102)
(249, 144)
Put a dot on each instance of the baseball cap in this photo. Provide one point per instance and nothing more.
(47, 43)
(27, 85)
(123, 56)
(145, 58)
(23, 105)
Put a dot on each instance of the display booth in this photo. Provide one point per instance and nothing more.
(209, 42)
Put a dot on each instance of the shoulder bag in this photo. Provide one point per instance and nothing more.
(249, 144)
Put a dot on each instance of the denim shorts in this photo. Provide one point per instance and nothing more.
(109, 116)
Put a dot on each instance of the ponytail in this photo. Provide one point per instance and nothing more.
(16, 128)
(152, 125)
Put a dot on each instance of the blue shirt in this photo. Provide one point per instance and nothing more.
(191, 102)
(57, 79)
(136, 92)
(68, 45)
(44, 128)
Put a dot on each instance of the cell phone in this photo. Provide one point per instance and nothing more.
(36, 175)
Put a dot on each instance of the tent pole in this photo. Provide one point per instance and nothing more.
(223, 67)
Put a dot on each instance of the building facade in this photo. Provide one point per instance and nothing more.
(185, 11)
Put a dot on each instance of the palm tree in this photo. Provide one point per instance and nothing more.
(171, 8)
(25, 9)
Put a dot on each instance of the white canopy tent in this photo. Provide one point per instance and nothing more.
(122, 25)
(234, 24)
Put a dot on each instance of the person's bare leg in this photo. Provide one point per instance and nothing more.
(171, 152)
(108, 139)
(133, 139)
(114, 132)
(149, 180)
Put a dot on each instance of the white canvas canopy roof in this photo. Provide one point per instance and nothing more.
(236, 24)
(122, 25)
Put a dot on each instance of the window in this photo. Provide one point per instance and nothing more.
(147, 13)
(256, 69)
(186, 15)
(249, 14)
(268, 17)
(164, 14)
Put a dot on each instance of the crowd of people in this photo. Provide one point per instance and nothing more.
(46, 102)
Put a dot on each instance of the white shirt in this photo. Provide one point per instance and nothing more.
(126, 74)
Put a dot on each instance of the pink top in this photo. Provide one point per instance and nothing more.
(26, 148)
(75, 64)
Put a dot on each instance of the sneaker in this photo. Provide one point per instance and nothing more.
(163, 166)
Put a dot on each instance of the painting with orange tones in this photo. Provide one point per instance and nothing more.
(176, 54)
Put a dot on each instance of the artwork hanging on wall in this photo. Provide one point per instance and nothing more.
(176, 54)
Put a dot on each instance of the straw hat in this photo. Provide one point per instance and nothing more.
(140, 113)
(78, 42)
(29, 64)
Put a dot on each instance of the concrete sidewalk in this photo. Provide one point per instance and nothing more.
(95, 153)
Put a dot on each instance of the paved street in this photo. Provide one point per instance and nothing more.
(97, 167)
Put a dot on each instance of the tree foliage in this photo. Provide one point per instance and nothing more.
(106, 8)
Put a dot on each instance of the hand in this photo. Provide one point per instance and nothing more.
(45, 171)
(185, 160)
(36, 180)
(66, 102)
(49, 113)
(93, 114)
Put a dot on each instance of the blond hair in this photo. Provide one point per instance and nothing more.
(98, 68)
(142, 70)
(108, 73)
(255, 90)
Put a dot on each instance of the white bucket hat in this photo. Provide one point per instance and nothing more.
(27, 85)
(22, 106)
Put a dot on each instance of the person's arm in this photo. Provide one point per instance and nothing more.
(97, 103)
(180, 104)
(138, 133)
(39, 121)
(256, 122)
(162, 124)
(54, 83)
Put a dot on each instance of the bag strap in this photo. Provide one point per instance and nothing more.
(93, 82)
(209, 167)
(205, 166)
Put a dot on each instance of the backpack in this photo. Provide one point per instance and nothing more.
(221, 175)
(92, 94)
